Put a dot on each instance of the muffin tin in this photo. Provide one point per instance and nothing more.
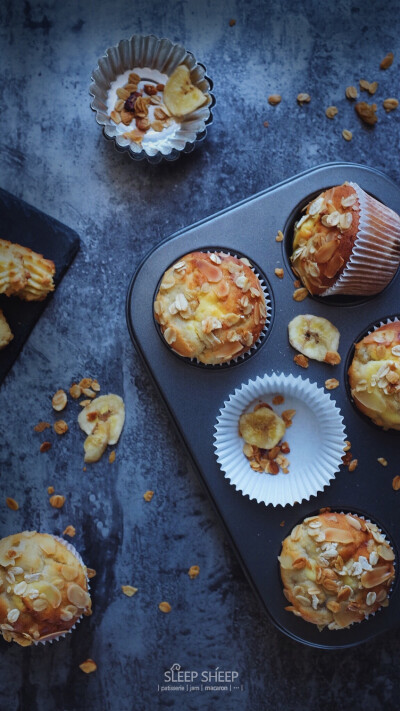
(194, 395)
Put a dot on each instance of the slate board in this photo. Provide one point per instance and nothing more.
(24, 224)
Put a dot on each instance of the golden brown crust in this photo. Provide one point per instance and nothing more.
(24, 272)
(374, 376)
(336, 569)
(210, 306)
(43, 589)
(324, 237)
(6, 334)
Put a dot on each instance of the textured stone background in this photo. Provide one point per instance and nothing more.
(54, 156)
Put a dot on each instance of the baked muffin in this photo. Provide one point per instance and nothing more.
(374, 376)
(336, 569)
(43, 588)
(210, 306)
(346, 243)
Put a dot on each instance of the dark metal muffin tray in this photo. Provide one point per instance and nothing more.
(25, 225)
(194, 395)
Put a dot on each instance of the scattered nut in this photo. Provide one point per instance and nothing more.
(57, 501)
(75, 391)
(148, 495)
(301, 360)
(85, 403)
(396, 483)
(296, 283)
(382, 461)
(69, 531)
(347, 135)
(303, 98)
(41, 426)
(274, 99)
(353, 465)
(366, 112)
(88, 666)
(279, 272)
(265, 124)
(12, 504)
(300, 294)
(111, 456)
(331, 112)
(387, 61)
(367, 86)
(351, 92)
(278, 400)
(193, 571)
(347, 447)
(331, 383)
(128, 590)
(50, 490)
(165, 607)
(390, 105)
(60, 427)
(45, 446)
(279, 236)
(59, 400)
(232, 23)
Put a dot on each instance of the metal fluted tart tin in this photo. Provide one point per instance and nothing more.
(160, 57)
(194, 396)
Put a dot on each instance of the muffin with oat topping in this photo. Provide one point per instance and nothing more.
(336, 569)
(211, 307)
(374, 376)
(43, 588)
(346, 243)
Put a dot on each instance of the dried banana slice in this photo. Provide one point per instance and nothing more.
(96, 443)
(106, 408)
(315, 337)
(6, 334)
(262, 428)
(181, 97)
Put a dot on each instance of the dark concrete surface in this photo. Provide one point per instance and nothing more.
(54, 156)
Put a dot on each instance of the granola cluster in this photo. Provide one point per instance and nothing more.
(141, 102)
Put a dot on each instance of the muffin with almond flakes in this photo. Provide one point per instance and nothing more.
(43, 588)
(374, 376)
(211, 307)
(346, 243)
(336, 569)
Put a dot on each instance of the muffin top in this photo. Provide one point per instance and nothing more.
(374, 376)
(210, 306)
(336, 569)
(324, 237)
(43, 588)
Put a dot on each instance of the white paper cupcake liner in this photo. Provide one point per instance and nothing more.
(376, 252)
(316, 440)
(53, 637)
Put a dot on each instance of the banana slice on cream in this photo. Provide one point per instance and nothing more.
(315, 337)
(181, 97)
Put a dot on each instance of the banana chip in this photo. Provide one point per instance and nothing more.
(96, 443)
(315, 337)
(109, 409)
(181, 97)
(262, 428)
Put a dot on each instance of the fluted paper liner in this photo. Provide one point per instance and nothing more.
(316, 440)
(375, 255)
(52, 638)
